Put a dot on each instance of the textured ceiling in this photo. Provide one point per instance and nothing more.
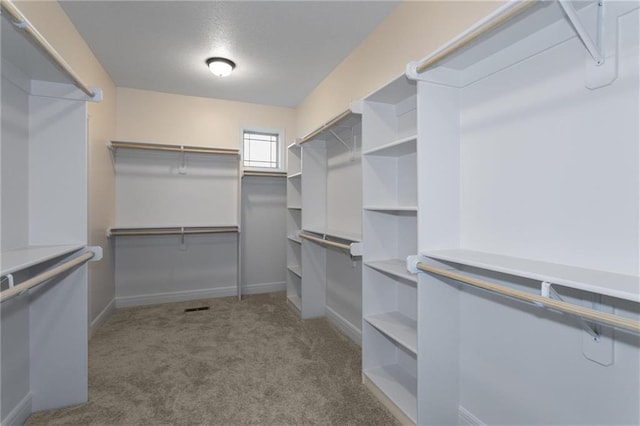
(282, 49)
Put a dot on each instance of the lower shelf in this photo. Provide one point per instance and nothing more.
(295, 301)
(397, 385)
(394, 267)
(294, 238)
(398, 327)
(296, 270)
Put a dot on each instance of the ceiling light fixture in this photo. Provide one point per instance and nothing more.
(221, 67)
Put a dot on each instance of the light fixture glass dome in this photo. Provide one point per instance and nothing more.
(221, 67)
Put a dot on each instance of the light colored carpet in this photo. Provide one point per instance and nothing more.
(249, 362)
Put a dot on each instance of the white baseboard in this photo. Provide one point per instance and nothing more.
(102, 317)
(20, 413)
(466, 418)
(264, 288)
(174, 296)
(348, 329)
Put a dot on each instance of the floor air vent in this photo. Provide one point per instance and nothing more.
(202, 308)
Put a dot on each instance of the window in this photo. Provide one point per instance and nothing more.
(262, 150)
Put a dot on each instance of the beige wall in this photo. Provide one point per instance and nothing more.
(49, 18)
(146, 116)
(411, 32)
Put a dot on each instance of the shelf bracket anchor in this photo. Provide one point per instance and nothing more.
(353, 143)
(594, 48)
(183, 240)
(183, 162)
(546, 290)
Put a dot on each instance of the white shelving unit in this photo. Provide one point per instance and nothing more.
(44, 224)
(178, 222)
(331, 277)
(390, 232)
(521, 183)
(294, 226)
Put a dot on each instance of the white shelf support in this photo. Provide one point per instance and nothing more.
(183, 161)
(412, 264)
(340, 140)
(594, 48)
(9, 278)
(97, 253)
(546, 290)
(352, 148)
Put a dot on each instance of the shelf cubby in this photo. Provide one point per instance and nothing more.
(391, 235)
(392, 369)
(390, 306)
(519, 184)
(294, 226)
(390, 212)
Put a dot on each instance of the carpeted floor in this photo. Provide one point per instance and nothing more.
(250, 362)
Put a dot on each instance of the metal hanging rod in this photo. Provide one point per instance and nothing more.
(265, 174)
(129, 232)
(496, 19)
(22, 24)
(325, 126)
(172, 148)
(45, 276)
(579, 311)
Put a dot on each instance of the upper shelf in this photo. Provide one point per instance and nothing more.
(25, 48)
(116, 145)
(18, 259)
(600, 282)
(514, 32)
(398, 148)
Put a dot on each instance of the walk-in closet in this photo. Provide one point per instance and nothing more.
(380, 213)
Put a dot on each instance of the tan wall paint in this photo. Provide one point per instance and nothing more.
(412, 31)
(146, 116)
(49, 18)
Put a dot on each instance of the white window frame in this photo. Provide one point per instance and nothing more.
(281, 148)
